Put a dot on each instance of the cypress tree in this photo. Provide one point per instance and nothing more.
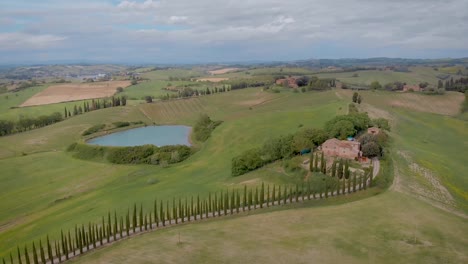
(35, 258)
(26, 255)
(226, 202)
(233, 201)
(311, 161)
(141, 217)
(11, 259)
(256, 198)
(244, 203)
(308, 190)
(354, 181)
(316, 162)
(262, 195)
(70, 243)
(279, 194)
(156, 219)
(62, 240)
(365, 181)
(273, 195)
(41, 249)
(346, 170)
(127, 223)
(268, 196)
(168, 212)
(210, 209)
(101, 234)
(19, 256)
(326, 189)
(134, 218)
(343, 186)
(115, 226)
(371, 175)
(174, 210)
(66, 112)
(192, 212)
(49, 251)
(220, 203)
(146, 222)
(333, 169)
(238, 201)
(3, 261)
(297, 193)
(215, 207)
(181, 212)
(109, 227)
(198, 205)
(161, 213)
(76, 237)
(360, 182)
(121, 226)
(249, 200)
(322, 163)
(285, 195)
(349, 185)
(290, 194)
(340, 169)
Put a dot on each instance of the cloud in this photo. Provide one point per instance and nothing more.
(177, 19)
(148, 4)
(262, 29)
(19, 41)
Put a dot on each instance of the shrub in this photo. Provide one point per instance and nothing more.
(121, 124)
(93, 129)
(203, 127)
(247, 161)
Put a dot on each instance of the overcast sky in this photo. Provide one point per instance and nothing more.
(189, 31)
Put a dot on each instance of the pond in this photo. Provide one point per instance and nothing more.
(155, 135)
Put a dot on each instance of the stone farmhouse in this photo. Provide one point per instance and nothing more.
(342, 148)
(289, 82)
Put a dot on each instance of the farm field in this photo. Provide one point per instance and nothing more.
(74, 92)
(222, 71)
(415, 76)
(59, 190)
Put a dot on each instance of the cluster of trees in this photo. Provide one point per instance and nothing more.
(113, 227)
(339, 168)
(235, 85)
(203, 127)
(321, 84)
(357, 98)
(460, 85)
(8, 127)
(373, 145)
(282, 147)
(344, 126)
(95, 105)
(146, 154)
(189, 92)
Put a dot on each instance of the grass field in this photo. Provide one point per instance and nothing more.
(415, 76)
(207, 170)
(357, 232)
(48, 188)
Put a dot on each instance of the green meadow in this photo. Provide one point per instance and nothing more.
(45, 189)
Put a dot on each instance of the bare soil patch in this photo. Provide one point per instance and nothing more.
(74, 92)
(212, 79)
(223, 71)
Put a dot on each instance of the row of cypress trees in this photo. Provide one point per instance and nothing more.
(113, 227)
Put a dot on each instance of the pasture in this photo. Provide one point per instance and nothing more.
(46, 188)
(74, 92)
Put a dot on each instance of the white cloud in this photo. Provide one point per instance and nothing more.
(177, 19)
(148, 4)
(14, 41)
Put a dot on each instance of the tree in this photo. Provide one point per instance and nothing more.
(342, 129)
(323, 164)
(340, 169)
(370, 149)
(148, 99)
(355, 96)
(49, 251)
(133, 82)
(375, 85)
(316, 162)
(333, 169)
(123, 100)
(134, 223)
(262, 195)
(359, 99)
(311, 160)
(346, 170)
(41, 248)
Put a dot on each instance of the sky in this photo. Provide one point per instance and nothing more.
(202, 31)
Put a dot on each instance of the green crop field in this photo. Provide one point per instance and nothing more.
(44, 188)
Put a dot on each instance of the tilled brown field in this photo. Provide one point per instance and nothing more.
(74, 92)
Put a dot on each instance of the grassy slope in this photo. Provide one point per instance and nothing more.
(102, 185)
(357, 232)
(416, 76)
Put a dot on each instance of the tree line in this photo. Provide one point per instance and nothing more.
(8, 127)
(113, 227)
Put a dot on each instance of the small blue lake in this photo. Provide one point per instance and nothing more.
(155, 135)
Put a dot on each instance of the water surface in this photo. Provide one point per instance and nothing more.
(155, 135)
